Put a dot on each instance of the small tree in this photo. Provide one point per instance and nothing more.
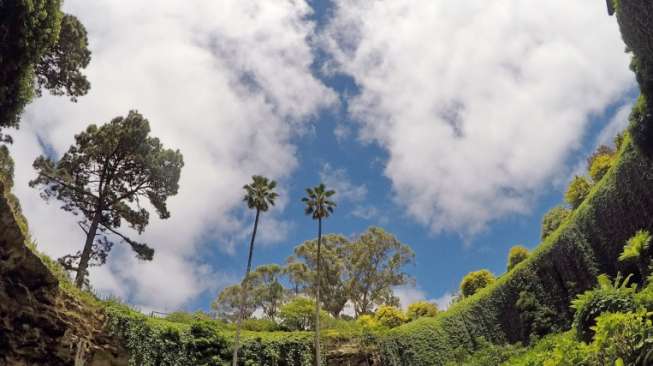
(228, 304)
(421, 309)
(299, 314)
(517, 254)
(268, 292)
(474, 281)
(103, 177)
(553, 219)
(636, 251)
(578, 190)
(319, 205)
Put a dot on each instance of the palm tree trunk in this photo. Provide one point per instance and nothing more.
(317, 295)
(88, 247)
(244, 289)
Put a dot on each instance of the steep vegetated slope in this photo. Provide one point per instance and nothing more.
(41, 322)
(567, 262)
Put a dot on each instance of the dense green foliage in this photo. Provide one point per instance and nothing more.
(564, 265)
(475, 281)
(607, 297)
(390, 316)
(41, 48)
(517, 254)
(102, 177)
(553, 219)
(421, 309)
(577, 191)
(637, 250)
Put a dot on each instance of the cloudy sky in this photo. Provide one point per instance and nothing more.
(455, 125)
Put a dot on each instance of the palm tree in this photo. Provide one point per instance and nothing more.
(636, 250)
(259, 196)
(318, 206)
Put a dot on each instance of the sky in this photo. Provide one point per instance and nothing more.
(453, 125)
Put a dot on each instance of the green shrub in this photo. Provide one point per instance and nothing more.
(475, 281)
(517, 254)
(299, 314)
(368, 321)
(421, 309)
(625, 336)
(553, 219)
(486, 354)
(606, 297)
(577, 191)
(538, 319)
(260, 325)
(600, 165)
(636, 250)
(389, 316)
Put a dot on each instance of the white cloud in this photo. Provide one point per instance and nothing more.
(408, 295)
(338, 180)
(478, 103)
(365, 212)
(228, 83)
(617, 124)
(444, 301)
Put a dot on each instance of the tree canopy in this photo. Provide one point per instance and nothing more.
(553, 219)
(375, 260)
(474, 281)
(41, 48)
(103, 178)
(517, 254)
(577, 191)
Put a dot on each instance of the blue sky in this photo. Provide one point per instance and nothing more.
(453, 126)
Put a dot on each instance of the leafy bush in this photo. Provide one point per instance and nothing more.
(260, 325)
(538, 319)
(606, 297)
(637, 250)
(625, 336)
(485, 354)
(299, 314)
(553, 219)
(600, 165)
(475, 281)
(421, 309)
(390, 316)
(517, 254)
(577, 191)
(367, 321)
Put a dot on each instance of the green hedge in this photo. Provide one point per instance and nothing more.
(160, 342)
(565, 264)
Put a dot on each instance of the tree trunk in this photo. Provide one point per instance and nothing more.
(317, 296)
(243, 299)
(88, 247)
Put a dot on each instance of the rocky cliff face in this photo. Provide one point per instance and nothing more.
(39, 323)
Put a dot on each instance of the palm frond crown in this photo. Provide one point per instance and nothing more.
(318, 202)
(260, 193)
